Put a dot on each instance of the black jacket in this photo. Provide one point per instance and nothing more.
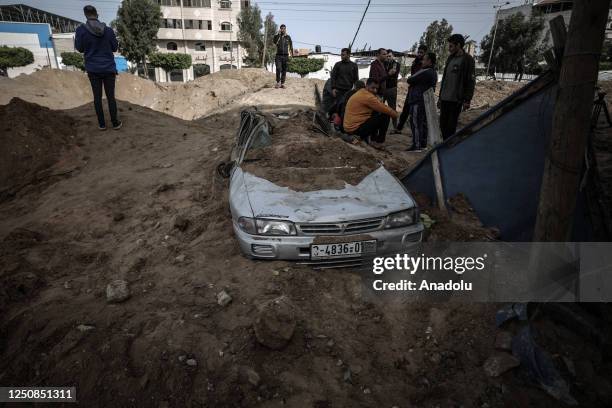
(344, 75)
(416, 66)
(467, 77)
(284, 45)
(420, 82)
(392, 79)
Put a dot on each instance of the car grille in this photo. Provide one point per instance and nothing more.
(342, 228)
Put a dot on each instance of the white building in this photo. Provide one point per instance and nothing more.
(205, 29)
(35, 37)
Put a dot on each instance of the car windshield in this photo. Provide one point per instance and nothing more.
(305, 159)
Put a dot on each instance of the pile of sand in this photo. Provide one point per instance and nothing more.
(32, 140)
(57, 89)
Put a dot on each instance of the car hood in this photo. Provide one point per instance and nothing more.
(377, 195)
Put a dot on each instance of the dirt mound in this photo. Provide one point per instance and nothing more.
(304, 159)
(59, 89)
(35, 144)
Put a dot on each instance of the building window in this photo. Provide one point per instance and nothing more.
(198, 24)
(245, 4)
(171, 46)
(225, 26)
(227, 47)
(170, 23)
(225, 4)
(169, 2)
(200, 46)
(196, 3)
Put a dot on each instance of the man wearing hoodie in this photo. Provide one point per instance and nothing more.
(98, 42)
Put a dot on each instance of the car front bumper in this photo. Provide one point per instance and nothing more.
(297, 248)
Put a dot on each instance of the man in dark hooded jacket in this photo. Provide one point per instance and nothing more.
(98, 43)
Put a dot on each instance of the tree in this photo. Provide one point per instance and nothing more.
(170, 61)
(303, 66)
(270, 29)
(137, 24)
(73, 59)
(13, 57)
(249, 34)
(435, 38)
(518, 39)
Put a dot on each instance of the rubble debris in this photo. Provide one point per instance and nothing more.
(223, 298)
(117, 291)
(499, 363)
(275, 323)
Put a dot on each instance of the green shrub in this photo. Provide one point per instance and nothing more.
(73, 59)
(13, 57)
(303, 66)
(201, 70)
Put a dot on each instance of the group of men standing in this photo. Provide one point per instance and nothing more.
(366, 110)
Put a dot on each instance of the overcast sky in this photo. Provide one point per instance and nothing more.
(395, 24)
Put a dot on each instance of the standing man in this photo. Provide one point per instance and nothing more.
(367, 117)
(98, 42)
(414, 107)
(344, 75)
(457, 88)
(378, 72)
(284, 51)
(393, 69)
(417, 64)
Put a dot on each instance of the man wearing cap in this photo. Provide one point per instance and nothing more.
(457, 88)
(284, 51)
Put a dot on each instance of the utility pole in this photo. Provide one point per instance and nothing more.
(265, 44)
(494, 33)
(571, 121)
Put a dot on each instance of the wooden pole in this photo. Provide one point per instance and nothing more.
(434, 137)
(571, 120)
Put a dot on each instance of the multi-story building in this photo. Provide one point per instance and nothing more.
(549, 9)
(205, 29)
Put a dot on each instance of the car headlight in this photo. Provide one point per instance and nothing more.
(401, 219)
(256, 226)
(273, 227)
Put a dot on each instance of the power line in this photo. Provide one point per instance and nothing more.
(361, 22)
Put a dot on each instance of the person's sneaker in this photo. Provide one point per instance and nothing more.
(283, 86)
(278, 85)
(118, 126)
(101, 128)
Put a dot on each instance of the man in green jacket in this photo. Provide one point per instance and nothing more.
(457, 88)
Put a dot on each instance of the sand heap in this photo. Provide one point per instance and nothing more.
(57, 89)
(32, 140)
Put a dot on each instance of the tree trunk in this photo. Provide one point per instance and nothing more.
(571, 121)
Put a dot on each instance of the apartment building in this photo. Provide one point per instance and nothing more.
(206, 29)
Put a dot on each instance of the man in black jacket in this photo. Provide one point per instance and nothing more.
(284, 51)
(417, 64)
(457, 88)
(414, 107)
(344, 75)
(393, 68)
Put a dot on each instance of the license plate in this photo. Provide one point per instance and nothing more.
(342, 250)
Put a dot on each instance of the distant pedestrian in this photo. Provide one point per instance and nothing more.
(393, 70)
(98, 43)
(520, 70)
(367, 117)
(284, 51)
(417, 64)
(344, 75)
(457, 88)
(378, 71)
(414, 107)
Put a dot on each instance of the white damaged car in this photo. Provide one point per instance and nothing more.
(297, 194)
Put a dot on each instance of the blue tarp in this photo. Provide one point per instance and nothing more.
(121, 62)
(499, 167)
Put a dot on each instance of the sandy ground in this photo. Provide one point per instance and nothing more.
(146, 205)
